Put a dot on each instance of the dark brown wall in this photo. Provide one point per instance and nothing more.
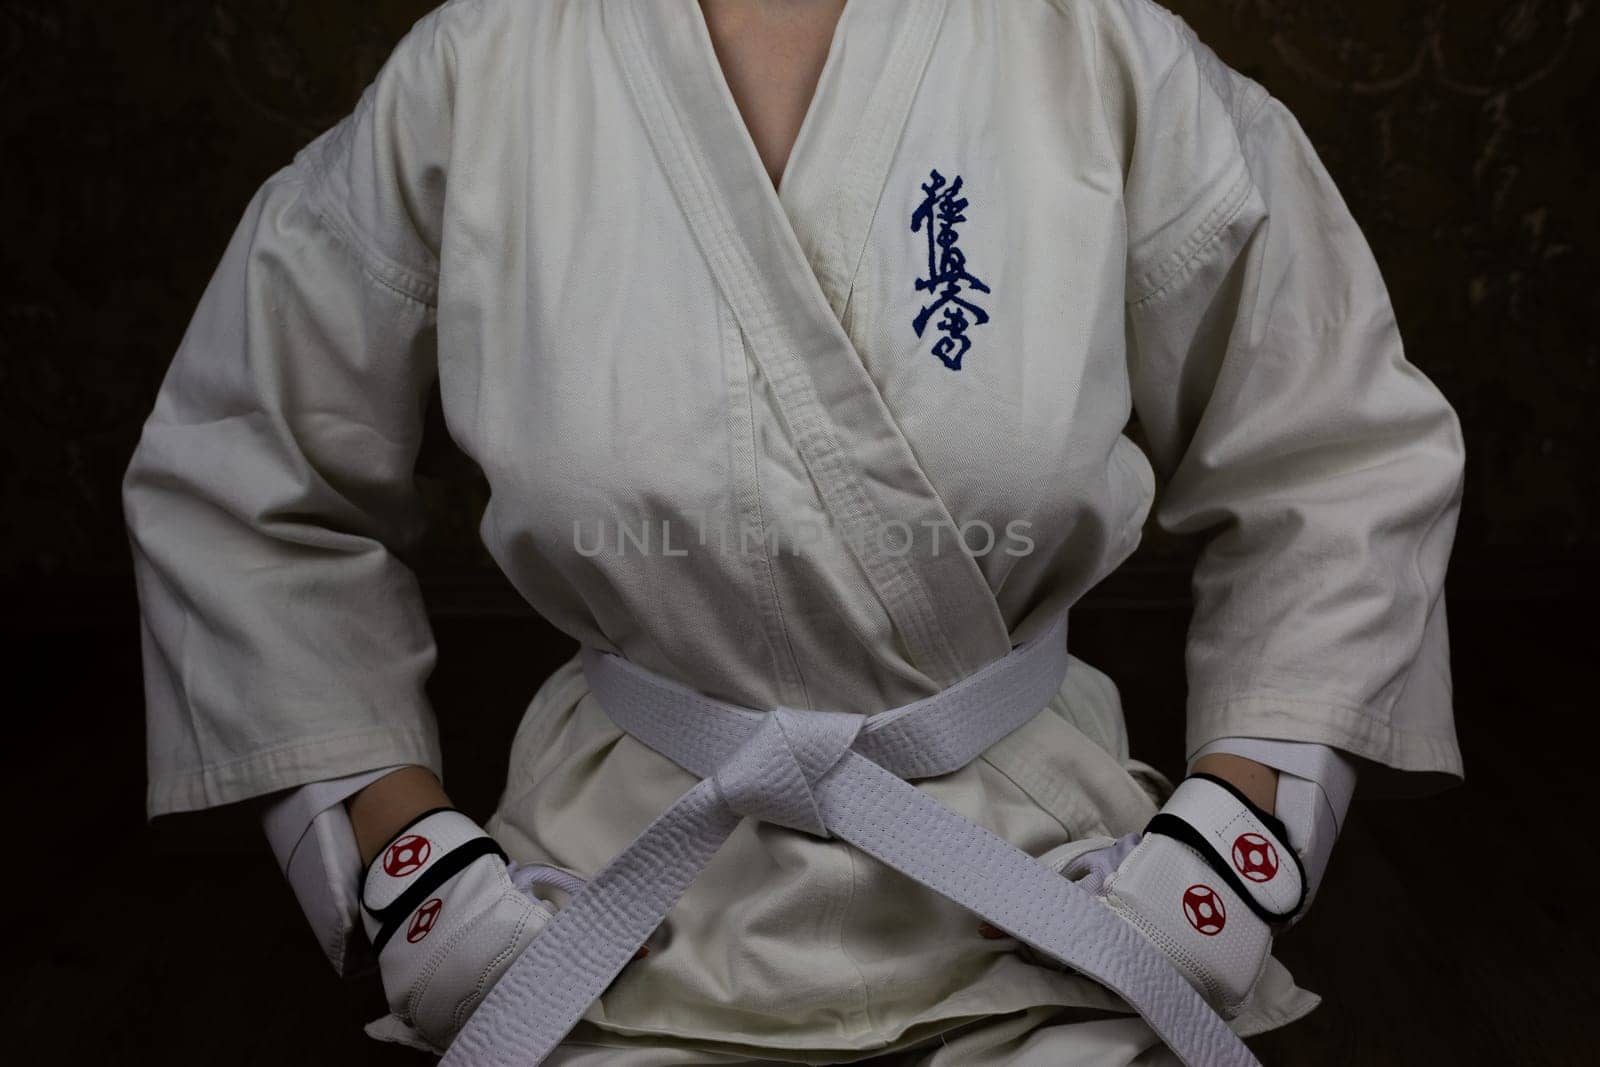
(133, 135)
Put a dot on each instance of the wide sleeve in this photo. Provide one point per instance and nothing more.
(1318, 469)
(270, 502)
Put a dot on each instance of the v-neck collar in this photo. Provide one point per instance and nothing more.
(787, 304)
(834, 175)
(809, 122)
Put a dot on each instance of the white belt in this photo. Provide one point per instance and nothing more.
(830, 774)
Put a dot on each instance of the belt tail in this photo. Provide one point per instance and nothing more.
(578, 953)
(903, 827)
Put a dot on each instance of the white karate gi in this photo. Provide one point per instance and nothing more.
(746, 400)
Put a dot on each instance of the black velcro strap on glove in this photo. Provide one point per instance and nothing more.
(438, 871)
(1247, 847)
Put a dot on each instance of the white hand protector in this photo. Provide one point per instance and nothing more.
(1209, 882)
(447, 915)
(1315, 785)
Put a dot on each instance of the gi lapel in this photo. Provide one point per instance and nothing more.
(835, 177)
(876, 494)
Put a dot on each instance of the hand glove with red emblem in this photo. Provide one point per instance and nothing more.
(1209, 882)
(447, 914)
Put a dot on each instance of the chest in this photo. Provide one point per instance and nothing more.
(965, 241)
(772, 56)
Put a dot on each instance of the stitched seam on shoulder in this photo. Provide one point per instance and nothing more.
(1215, 222)
(420, 286)
(399, 279)
(1249, 118)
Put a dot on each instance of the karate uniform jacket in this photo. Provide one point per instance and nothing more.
(831, 445)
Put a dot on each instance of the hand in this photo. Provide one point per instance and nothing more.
(1209, 881)
(447, 915)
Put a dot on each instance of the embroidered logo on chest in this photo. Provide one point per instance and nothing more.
(952, 284)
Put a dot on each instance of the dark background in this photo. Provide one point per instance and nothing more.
(1454, 929)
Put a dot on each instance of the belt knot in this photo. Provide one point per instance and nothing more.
(771, 775)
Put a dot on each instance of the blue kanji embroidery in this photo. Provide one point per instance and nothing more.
(948, 277)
